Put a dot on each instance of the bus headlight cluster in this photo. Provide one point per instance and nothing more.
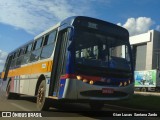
(124, 83)
(85, 80)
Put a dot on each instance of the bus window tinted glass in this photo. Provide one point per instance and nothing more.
(49, 38)
(48, 45)
(100, 50)
(37, 44)
(47, 51)
(26, 58)
(29, 48)
(35, 55)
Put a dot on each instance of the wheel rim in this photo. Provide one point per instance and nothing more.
(40, 95)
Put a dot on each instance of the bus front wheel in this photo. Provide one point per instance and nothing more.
(42, 102)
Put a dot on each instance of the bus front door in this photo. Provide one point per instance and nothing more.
(58, 62)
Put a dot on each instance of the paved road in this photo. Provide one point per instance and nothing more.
(147, 93)
(65, 111)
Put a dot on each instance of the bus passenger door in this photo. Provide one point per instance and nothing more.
(58, 62)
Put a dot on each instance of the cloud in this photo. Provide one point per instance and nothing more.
(137, 25)
(37, 15)
(158, 27)
(3, 56)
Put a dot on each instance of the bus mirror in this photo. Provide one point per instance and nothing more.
(71, 32)
(70, 47)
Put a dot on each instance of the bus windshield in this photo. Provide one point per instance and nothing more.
(97, 49)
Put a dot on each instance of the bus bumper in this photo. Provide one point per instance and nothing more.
(75, 89)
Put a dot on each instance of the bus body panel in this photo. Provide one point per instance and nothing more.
(24, 79)
(17, 84)
(70, 90)
(34, 68)
(5, 84)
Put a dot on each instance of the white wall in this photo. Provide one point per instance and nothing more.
(152, 39)
(142, 38)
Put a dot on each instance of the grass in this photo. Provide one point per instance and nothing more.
(140, 102)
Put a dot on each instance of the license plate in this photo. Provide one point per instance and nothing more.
(107, 91)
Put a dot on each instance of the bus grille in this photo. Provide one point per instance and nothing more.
(98, 93)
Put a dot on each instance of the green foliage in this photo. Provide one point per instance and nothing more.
(140, 102)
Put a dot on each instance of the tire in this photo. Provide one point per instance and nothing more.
(10, 95)
(96, 105)
(143, 89)
(42, 102)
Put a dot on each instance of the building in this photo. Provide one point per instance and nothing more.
(146, 50)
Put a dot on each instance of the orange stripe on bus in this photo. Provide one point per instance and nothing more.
(35, 68)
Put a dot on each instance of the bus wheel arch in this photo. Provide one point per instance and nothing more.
(40, 79)
(42, 101)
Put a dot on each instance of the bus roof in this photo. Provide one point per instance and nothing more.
(67, 21)
(48, 30)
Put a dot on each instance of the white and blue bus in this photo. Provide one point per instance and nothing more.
(81, 59)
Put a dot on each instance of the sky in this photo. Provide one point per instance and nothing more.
(21, 20)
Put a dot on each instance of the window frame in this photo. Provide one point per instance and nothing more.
(34, 49)
(48, 44)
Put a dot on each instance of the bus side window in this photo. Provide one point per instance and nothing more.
(48, 45)
(27, 52)
(35, 54)
(13, 63)
(16, 58)
(20, 57)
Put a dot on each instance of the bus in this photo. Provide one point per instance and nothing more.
(81, 59)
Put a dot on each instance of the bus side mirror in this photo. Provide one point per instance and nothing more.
(70, 37)
(71, 32)
(70, 47)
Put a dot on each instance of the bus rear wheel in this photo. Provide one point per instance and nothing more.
(42, 101)
(96, 105)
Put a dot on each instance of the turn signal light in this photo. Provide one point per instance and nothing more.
(85, 80)
(91, 82)
(79, 77)
(125, 83)
(129, 81)
(120, 84)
